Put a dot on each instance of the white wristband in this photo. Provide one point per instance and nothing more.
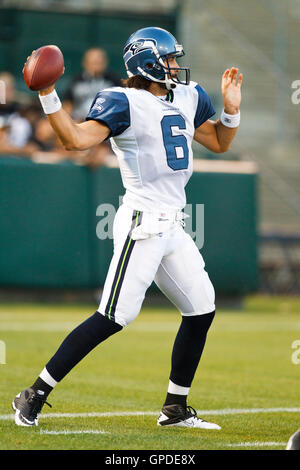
(230, 120)
(50, 103)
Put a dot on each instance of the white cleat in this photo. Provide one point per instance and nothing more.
(178, 415)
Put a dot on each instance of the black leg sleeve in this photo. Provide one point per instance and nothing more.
(188, 347)
(79, 343)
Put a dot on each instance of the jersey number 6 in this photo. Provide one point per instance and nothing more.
(176, 145)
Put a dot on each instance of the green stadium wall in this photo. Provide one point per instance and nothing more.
(48, 225)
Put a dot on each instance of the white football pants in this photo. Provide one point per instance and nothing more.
(148, 248)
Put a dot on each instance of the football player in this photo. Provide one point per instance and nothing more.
(151, 122)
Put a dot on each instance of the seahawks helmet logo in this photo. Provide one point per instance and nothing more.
(140, 45)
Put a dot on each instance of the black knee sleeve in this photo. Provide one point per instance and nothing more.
(79, 343)
(188, 347)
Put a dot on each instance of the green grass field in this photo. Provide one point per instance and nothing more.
(245, 373)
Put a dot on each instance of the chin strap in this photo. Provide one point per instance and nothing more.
(168, 82)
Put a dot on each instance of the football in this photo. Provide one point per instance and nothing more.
(43, 67)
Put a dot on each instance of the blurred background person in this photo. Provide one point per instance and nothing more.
(15, 127)
(24, 131)
(10, 105)
(50, 150)
(7, 147)
(81, 92)
(84, 87)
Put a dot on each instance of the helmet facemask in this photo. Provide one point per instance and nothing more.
(162, 65)
(182, 77)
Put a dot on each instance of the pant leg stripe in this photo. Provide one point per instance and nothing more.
(121, 278)
(121, 268)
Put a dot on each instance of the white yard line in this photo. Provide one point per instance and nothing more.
(79, 431)
(225, 411)
(257, 444)
(236, 411)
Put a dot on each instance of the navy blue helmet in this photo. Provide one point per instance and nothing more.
(147, 53)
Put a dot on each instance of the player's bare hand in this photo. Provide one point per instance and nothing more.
(231, 90)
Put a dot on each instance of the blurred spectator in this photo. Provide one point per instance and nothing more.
(51, 150)
(7, 148)
(10, 105)
(84, 87)
(25, 131)
(16, 130)
(82, 91)
(19, 127)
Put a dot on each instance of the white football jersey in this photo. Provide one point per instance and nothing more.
(152, 138)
